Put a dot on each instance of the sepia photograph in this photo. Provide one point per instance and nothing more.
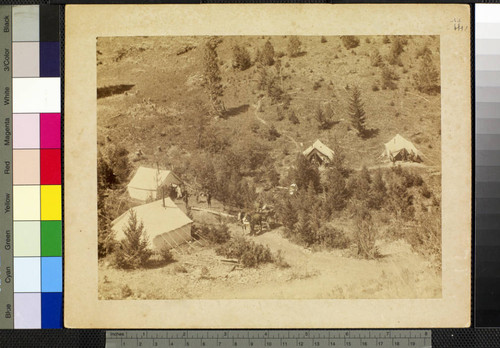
(269, 167)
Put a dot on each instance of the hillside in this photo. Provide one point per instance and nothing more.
(164, 78)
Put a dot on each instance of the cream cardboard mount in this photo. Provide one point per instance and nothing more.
(85, 24)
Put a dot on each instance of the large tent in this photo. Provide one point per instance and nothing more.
(319, 152)
(166, 225)
(400, 149)
(146, 181)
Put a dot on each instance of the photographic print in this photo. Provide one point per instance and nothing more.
(267, 166)
(271, 167)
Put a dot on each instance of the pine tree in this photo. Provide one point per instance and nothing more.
(294, 46)
(133, 251)
(105, 235)
(336, 193)
(376, 59)
(267, 55)
(396, 50)
(427, 79)
(357, 112)
(212, 78)
(378, 191)
(305, 173)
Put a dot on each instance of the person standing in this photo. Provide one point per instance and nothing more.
(209, 199)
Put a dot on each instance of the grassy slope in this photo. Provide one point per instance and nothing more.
(167, 87)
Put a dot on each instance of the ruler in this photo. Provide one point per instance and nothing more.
(269, 338)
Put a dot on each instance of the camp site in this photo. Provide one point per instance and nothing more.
(269, 167)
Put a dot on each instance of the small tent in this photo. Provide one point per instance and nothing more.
(166, 225)
(146, 181)
(400, 149)
(319, 153)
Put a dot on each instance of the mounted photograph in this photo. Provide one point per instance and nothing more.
(272, 167)
(267, 166)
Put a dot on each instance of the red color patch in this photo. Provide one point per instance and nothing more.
(50, 167)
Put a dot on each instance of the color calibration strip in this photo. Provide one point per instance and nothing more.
(31, 257)
(487, 253)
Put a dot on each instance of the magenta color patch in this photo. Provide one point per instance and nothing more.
(26, 131)
(27, 311)
(50, 131)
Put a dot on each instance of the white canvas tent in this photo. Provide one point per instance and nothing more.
(165, 225)
(400, 149)
(146, 181)
(319, 152)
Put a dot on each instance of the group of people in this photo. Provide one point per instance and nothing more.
(208, 196)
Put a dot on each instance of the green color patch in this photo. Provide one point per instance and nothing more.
(51, 238)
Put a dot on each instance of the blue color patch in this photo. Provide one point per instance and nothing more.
(52, 317)
(51, 274)
(49, 59)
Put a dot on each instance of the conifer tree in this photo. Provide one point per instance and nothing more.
(294, 46)
(427, 79)
(212, 78)
(378, 191)
(133, 251)
(267, 54)
(357, 112)
(336, 193)
(376, 59)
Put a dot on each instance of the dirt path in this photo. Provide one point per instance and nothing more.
(401, 273)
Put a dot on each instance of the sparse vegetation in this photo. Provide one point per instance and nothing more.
(269, 111)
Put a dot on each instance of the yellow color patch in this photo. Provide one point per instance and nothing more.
(51, 202)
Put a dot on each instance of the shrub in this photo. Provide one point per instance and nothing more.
(425, 191)
(323, 39)
(330, 237)
(241, 58)
(126, 291)
(133, 251)
(350, 41)
(247, 252)
(166, 254)
(280, 114)
(316, 85)
(294, 44)
(389, 77)
(376, 59)
(324, 116)
(375, 88)
(292, 117)
(280, 261)
(273, 134)
(216, 234)
(254, 127)
(386, 39)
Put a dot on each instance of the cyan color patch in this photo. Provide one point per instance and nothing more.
(52, 274)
